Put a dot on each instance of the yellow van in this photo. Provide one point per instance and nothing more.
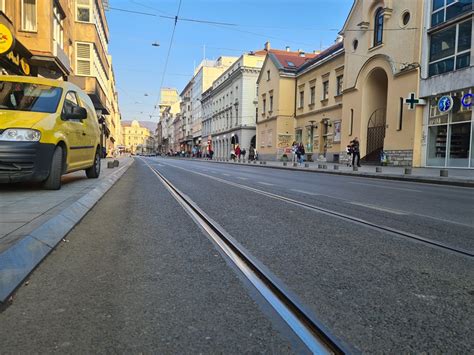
(47, 128)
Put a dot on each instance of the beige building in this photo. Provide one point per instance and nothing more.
(135, 136)
(276, 101)
(318, 122)
(382, 55)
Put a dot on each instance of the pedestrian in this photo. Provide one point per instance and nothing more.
(355, 151)
(302, 153)
(243, 152)
(237, 152)
(232, 154)
(211, 153)
(294, 150)
(251, 153)
(349, 153)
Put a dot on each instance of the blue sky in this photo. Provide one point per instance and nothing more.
(308, 25)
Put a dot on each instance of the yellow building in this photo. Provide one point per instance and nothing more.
(319, 84)
(135, 137)
(276, 101)
(382, 43)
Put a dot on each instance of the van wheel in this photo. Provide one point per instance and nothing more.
(53, 182)
(94, 171)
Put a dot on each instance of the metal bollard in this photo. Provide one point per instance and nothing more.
(255, 162)
(325, 166)
(407, 171)
(336, 167)
(295, 165)
(110, 165)
(378, 169)
(355, 168)
(306, 165)
(116, 163)
(443, 173)
(264, 163)
(284, 163)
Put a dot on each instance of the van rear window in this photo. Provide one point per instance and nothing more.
(29, 97)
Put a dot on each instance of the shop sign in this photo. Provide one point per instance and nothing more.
(466, 100)
(6, 39)
(445, 104)
(19, 61)
(412, 101)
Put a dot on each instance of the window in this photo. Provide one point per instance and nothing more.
(271, 103)
(301, 99)
(313, 95)
(58, 30)
(450, 49)
(268, 74)
(83, 58)
(70, 101)
(28, 15)
(84, 9)
(264, 104)
(325, 90)
(378, 27)
(445, 10)
(339, 82)
(2, 6)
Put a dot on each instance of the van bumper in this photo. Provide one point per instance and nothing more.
(25, 161)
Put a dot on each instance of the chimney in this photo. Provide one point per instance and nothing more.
(287, 48)
(267, 46)
(301, 53)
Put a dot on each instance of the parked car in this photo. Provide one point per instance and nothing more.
(47, 128)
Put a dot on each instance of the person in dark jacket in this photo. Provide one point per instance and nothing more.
(355, 151)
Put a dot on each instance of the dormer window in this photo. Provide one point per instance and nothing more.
(378, 27)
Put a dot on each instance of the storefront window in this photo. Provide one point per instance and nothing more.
(299, 135)
(450, 137)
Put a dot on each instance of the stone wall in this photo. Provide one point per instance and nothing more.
(399, 157)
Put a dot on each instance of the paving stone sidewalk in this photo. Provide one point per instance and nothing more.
(33, 220)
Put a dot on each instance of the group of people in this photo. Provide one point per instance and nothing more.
(353, 150)
(297, 152)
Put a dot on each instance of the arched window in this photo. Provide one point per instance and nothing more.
(378, 26)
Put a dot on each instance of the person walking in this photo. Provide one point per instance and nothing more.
(251, 153)
(302, 153)
(238, 152)
(243, 152)
(232, 154)
(355, 151)
(294, 150)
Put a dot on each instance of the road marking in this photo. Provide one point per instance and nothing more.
(226, 174)
(265, 183)
(384, 186)
(242, 178)
(374, 207)
(305, 192)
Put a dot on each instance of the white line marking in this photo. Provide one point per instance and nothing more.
(242, 178)
(305, 192)
(389, 210)
(226, 174)
(384, 186)
(265, 183)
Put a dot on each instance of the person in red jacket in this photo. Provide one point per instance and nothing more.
(237, 152)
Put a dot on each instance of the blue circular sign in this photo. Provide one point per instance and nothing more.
(467, 100)
(445, 104)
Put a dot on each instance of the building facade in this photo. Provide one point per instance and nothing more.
(186, 109)
(447, 84)
(135, 137)
(277, 101)
(382, 44)
(234, 104)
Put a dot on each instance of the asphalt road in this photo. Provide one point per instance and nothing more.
(137, 275)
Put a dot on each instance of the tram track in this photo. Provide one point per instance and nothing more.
(386, 229)
(312, 332)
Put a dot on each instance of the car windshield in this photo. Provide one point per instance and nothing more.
(29, 97)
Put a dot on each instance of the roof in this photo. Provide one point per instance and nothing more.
(150, 125)
(336, 47)
(289, 60)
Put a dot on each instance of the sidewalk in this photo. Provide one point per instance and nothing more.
(456, 177)
(33, 221)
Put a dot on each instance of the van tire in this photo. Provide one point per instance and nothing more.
(53, 182)
(94, 171)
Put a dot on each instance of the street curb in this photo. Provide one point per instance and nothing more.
(410, 178)
(18, 261)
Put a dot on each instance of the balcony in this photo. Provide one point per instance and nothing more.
(57, 61)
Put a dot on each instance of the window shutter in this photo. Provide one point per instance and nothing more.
(83, 54)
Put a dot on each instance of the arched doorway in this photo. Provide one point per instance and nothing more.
(253, 142)
(376, 86)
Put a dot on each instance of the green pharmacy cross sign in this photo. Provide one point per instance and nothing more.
(412, 101)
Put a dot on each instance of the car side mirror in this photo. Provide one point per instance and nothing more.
(77, 113)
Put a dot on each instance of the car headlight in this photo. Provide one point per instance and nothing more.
(20, 135)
